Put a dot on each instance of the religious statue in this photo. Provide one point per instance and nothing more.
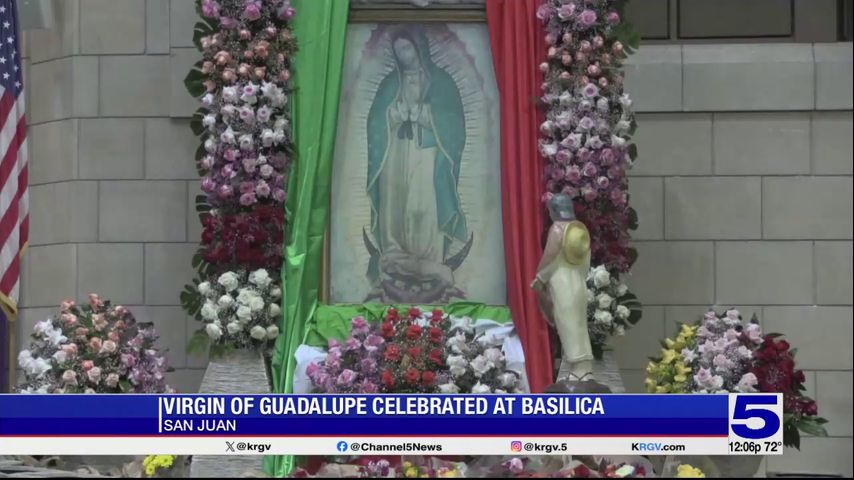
(416, 135)
(561, 284)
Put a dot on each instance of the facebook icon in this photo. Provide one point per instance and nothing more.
(342, 446)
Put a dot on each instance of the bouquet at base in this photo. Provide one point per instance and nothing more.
(419, 352)
(611, 308)
(93, 348)
(240, 309)
(722, 354)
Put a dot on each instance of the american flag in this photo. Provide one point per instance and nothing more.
(14, 205)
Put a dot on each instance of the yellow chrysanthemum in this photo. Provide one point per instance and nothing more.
(687, 471)
(449, 474)
(152, 463)
(411, 472)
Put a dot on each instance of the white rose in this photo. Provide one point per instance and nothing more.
(210, 145)
(233, 328)
(480, 365)
(213, 330)
(260, 277)
(507, 379)
(480, 388)
(604, 300)
(229, 94)
(494, 355)
(591, 296)
(457, 365)
(602, 104)
(209, 311)
(623, 312)
(280, 99)
(225, 301)
(449, 388)
(625, 100)
(258, 332)
(204, 288)
(267, 137)
(622, 289)
(280, 124)
(618, 141)
(272, 332)
(208, 99)
(603, 317)
(228, 111)
(275, 310)
(246, 142)
(601, 277)
(209, 120)
(269, 89)
(244, 313)
(227, 136)
(228, 280)
(275, 292)
(623, 126)
(244, 296)
(263, 114)
(60, 356)
(256, 304)
(280, 137)
(620, 331)
(24, 359)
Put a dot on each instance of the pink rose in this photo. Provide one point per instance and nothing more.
(230, 154)
(589, 194)
(228, 23)
(114, 336)
(545, 12)
(225, 191)
(210, 9)
(70, 349)
(69, 377)
(67, 304)
(68, 319)
(112, 380)
(587, 18)
(573, 174)
(252, 9)
(602, 182)
(249, 164)
(95, 344)
(618, 198)
(286, 12)
(566, 11)
(279, 195)
(346, 378)
(99, 322)
(262, 189)
(613, 18)
(94, 375)
(208, 185)
(108, 347)
(589, 170)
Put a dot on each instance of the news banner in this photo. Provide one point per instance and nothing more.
(736, 424)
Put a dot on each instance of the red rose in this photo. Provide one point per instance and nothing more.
(435, 356)
(412, 376)
(392, 315)
(387, 329)
(810, 408)
(414, 352)
(799, 376)
(581, 471)
(428, 378)
(387, 379)
(392, 353)
(413, 332)
(414, 313)
(782, 346)
(437, 316)
(436, 335)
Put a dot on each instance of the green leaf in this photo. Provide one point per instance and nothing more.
(811, 427)
(196, 122)
(633, 151)
(193, 82)
(198, 343)
(633, 255)
(125, 386)
(633, 219)
(201, 29)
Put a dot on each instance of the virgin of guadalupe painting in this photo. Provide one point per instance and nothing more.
(424, 115)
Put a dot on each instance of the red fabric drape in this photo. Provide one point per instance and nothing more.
(518, 47)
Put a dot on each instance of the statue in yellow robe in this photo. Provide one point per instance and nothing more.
(561, 284)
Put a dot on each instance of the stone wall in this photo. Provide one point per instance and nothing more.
(743, 186)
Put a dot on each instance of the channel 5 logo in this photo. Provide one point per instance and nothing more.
(756, 416)
(516, 446)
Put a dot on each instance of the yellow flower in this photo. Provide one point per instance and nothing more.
(651, 367)
(410, 472)
(152, 462)
(687, 471)
(668, 356)
(449, 474)
(407, 464)
(669, 342)
(661, 389)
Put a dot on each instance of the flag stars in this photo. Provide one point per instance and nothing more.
(3, 60)
(6, 24)
(5, 76)
(10, 40)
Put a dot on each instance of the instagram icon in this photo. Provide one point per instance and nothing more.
(516, 446)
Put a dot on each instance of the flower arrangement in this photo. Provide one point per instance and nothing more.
(245, 239)
(521, 467)
(477, 365)
(419, 352)
(402, 355)
(687, 471)
(152, 463)
(93, 348)
(240, 310)
(243, 83)
(721, 354)
(585, 138)
(611, 308)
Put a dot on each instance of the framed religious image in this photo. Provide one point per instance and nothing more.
(416, 200)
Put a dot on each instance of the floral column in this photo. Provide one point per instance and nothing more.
(585, 141)
(244, 124)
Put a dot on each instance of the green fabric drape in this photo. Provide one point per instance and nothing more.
(320, 27)
(333, 321)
